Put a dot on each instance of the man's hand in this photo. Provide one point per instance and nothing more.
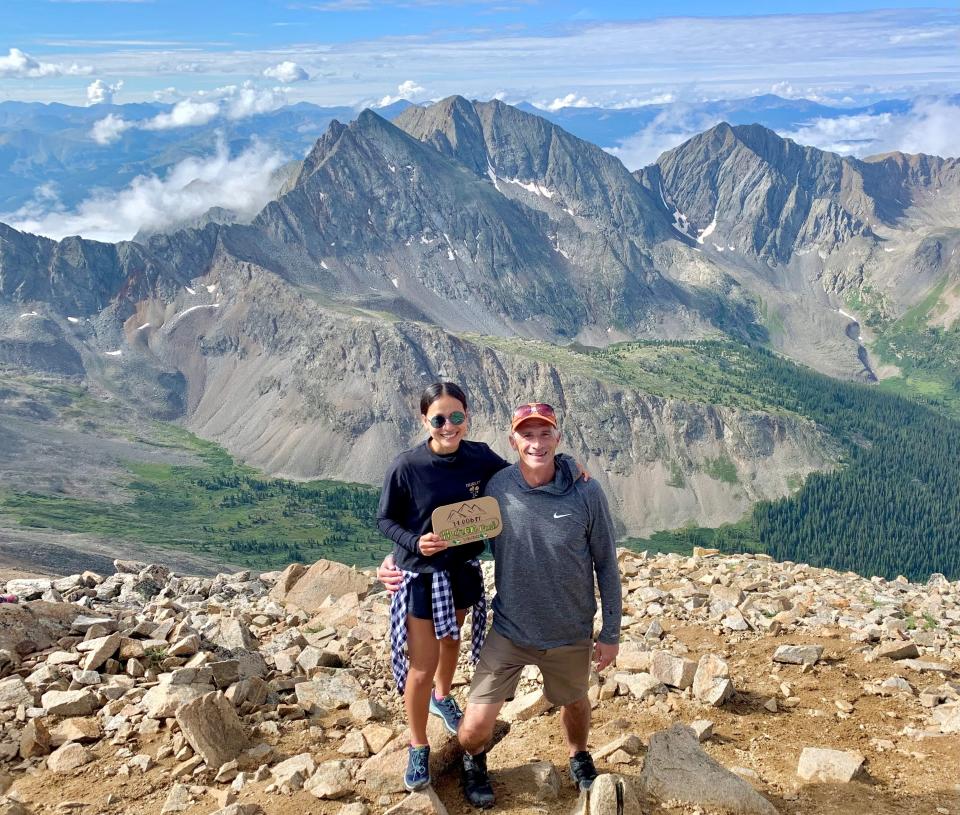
(430, 544)
(389, 574)
(604, 655)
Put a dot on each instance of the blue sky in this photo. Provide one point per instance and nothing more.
(368, 51)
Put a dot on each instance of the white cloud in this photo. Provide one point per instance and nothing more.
(18, 65)
(571, 100)
(184, 114)
(287, 71)
(242, 183)
(170, 94)
(638, 102)
(241, 101)
(99, 92)
(231, 101)
(408, 90)
(931, 126)
(108, 129)
(669, 129)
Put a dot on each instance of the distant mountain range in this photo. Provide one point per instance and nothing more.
(479, 242)
(51, 144)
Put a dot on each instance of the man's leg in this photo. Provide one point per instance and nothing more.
(494, 681)
(476, 726)
(575, 721)
(566, 680)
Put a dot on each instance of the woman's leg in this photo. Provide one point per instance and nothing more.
(423, 650)
(447, 662)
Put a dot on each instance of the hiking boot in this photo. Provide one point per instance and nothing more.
(582, 770)
(417, 775)
(448, 710)
(476, 782)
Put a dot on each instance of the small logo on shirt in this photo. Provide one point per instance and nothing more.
(474, 488)
(556, 516)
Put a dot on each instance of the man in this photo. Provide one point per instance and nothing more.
(557, 534)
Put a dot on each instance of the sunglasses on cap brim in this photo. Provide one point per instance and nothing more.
(438, 420)
(534, 409)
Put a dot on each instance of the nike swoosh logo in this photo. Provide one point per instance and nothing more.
(562, 516)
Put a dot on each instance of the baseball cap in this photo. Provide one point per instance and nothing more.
(533, 410)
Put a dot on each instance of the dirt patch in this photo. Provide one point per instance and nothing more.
(904, 774)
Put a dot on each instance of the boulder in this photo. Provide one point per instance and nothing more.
(354, 745)
(672, 670)
(212, 728)
(178, 799)
(332, 780)
(633, 657)
(526, 706)
(337, 691)
(897, 650)
(711, 682)
(424, 802)
(377, 736)
(538, 778)
(287, 580)
(610, 795)
(69, 702)
(291, 774)
(99, 650)
(640, 685)
(677, 769)
(162, 701)
(239, 809)
(34, 739)
(366, 710)
(75, 729)
(324, 579)
(702, 729)
(69, 757)
(821, 764)
(629, 742)
(29, 588)
(233, 635)
(13, 693)
(798, 654)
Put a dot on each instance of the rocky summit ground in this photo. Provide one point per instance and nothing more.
(743, 685)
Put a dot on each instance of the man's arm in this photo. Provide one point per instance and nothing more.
(603, 550)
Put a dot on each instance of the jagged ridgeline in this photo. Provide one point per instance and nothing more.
(476, 242)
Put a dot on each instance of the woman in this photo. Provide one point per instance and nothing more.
(439, 583)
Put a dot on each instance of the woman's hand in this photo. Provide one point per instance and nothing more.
(389, 574)
(430, 544)
(584, 472)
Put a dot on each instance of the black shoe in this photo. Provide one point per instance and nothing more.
(476, 782)
(582, 770)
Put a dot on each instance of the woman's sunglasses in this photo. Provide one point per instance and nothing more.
(438, 420)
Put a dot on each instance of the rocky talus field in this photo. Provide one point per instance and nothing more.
(743, 685)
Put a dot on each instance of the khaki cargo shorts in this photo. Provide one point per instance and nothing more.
(565, 670)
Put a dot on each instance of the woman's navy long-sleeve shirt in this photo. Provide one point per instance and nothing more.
(417, 483)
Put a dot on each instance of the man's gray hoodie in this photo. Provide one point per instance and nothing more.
(555, 538)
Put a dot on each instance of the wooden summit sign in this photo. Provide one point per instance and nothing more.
(469, 521)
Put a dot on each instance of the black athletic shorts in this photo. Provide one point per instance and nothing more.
(465, 583)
